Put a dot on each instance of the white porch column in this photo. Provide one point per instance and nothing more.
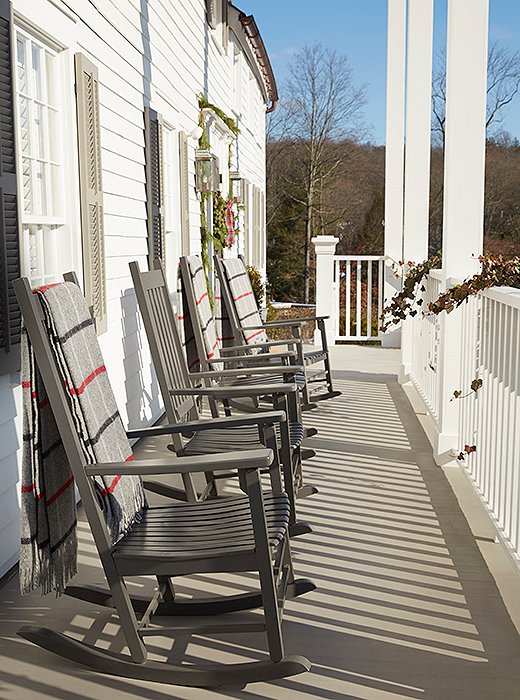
(394, 150)
(464, 160)
(418, 148)
(326, 298)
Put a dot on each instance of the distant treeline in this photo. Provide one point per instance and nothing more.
(350, 205)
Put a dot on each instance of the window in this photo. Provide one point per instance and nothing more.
(217, 15)
(237, 79)
(43, 204)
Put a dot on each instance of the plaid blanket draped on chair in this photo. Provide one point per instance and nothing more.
(244, 300)
(48, 510)
(215, 335)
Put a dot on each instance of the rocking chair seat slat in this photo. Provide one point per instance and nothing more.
(313, 356)
(241, 438)
(299, 380)
(196, 536)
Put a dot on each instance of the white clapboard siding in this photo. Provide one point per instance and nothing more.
(147, 54)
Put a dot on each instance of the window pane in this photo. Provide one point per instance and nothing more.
(37, 72)
(50, 70)
(24, 117)
(39, 127)
(53, 135)
(21, 65)
(26, 186)
(40, 189)
(55, 207)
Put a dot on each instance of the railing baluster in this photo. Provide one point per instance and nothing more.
(348, 330)
(369, 299)
(380, 288)
(358, 299)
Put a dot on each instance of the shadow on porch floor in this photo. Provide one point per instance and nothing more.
(405, 606)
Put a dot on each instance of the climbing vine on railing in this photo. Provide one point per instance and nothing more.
(496, 271)
(402, 304)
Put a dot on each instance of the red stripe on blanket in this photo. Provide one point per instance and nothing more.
(247, 294)
(201, 298)
(80, 389)
(58, 493)
(218, 298)
(130, 458)
(43, 403)
(28, 489)
(27, 385)
(45, 287)
(253, 336)
(110, 489)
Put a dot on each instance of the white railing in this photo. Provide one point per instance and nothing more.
(489, 417)
(358, 286)
(425, 372)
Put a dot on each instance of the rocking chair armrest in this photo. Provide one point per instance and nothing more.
(288, 370)
(241, 460)
(252, 358)
(293, 321)
(231, 391)
(265, 418)
(268, 344)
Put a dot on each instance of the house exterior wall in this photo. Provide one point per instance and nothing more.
(156, 53)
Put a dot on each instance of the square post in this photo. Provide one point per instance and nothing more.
(418, 150)
(464, 164)
(394, 152)
(326, 297)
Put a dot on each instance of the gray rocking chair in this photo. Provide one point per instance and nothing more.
(231, 534)
(179, 390)
(250, 332)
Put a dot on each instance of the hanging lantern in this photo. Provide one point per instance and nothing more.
(238, 183)
(207, 178)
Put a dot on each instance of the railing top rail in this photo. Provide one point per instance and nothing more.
(505, 295)
(359, 257)
(436, 275)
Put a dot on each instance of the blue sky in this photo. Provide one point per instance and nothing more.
(357, 28)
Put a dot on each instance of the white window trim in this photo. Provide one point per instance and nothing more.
(70, 257)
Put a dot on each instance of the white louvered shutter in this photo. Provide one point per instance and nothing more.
(9, 230)
(246, 226)
(185, 192)
(91, 189)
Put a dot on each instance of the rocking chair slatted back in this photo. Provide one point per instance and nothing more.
(240, 301)
(166, 349)
(197, 305)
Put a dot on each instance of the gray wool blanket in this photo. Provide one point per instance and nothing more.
(48, 556)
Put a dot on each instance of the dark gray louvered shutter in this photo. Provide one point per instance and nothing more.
(91, 188)
(9, 230)
(153, 130)
(211, 14)
(185, 192)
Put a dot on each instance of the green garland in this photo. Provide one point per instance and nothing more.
(219, 233)
(228, 121)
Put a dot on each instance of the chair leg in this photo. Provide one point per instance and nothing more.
(265, 568)
(123, 605)
(326, 361)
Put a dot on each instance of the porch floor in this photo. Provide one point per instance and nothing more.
(405, 608)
